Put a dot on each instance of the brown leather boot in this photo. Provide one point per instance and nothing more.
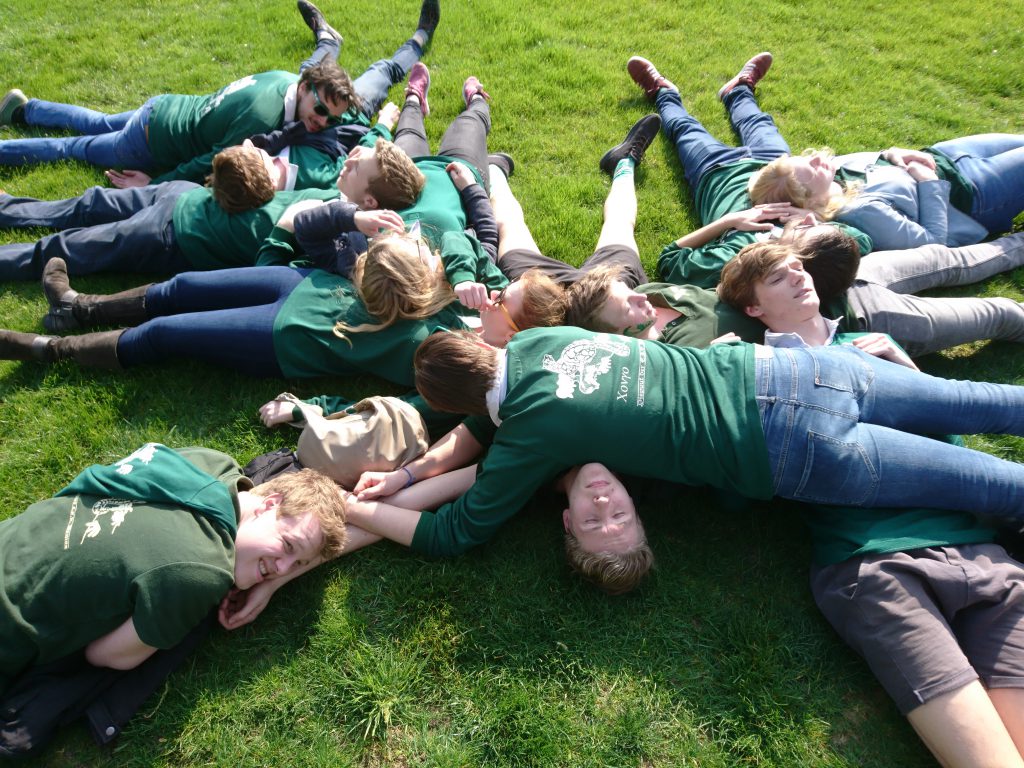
(91, 350)
(70, 309)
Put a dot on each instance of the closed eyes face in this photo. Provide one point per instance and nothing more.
(502, 321)
(601, 513)
(360, 169)
(786, 292)
(814, 173)
(625, 309)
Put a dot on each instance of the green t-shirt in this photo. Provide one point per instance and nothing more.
(211, 238)
(185, 132)
(703, 317)
(306, 345)
(74, 568)
(641, 407)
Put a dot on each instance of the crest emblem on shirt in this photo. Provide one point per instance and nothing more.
(582, 362)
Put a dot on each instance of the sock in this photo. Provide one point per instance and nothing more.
(624, 167)
(422, 37)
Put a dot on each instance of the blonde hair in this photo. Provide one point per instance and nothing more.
(775, 183)
(399, 182)
(394, 285)
(310, 491)
(614, 572)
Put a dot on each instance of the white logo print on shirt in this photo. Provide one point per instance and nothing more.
(581, 362)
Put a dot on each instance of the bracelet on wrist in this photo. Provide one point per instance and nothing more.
(411, 479)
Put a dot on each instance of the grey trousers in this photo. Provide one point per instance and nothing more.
(880, 295)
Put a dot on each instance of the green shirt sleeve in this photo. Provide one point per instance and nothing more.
(465, 260)
(279, 249)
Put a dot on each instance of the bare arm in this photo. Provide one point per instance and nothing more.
(120, 649)
(454, 450)
(756, 219)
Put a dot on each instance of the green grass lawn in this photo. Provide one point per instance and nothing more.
(499, 657)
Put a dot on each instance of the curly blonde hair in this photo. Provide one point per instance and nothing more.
(395, 284)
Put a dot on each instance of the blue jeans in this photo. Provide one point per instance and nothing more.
(994, 164)
(107, 141)
(224, 317)
(104, 230)
(700, 152)
(844, 427)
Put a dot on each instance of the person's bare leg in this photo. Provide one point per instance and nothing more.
(964, 728)
(1009, 703)
(620, 211)
(513, 234)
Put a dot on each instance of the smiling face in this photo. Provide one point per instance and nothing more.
(501, 322)
(785, 296)
(601, 513)
(626, 310)
(361, 168)
(268, 546)
(814, 173)
(317, 111)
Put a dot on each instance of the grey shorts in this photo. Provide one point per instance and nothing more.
(517, 261)
(930, 621)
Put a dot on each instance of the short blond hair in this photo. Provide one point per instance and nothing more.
(310, 491)
(400, 182)
(394, 286)
(239, 181)
(613, 572)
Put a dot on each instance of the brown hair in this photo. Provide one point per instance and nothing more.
(740, 276)
(544, 301)
(454, 370)
(396, 286)
(310, 491)
(831, 258)
(614, 572)
(240, 181)
(586, 298)
(400, 181)
(331, 82)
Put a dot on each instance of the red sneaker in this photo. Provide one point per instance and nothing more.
(471, 88)
(647, 77)
(419, 84)
(750, 75)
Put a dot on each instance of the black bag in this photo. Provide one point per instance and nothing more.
(269, 465)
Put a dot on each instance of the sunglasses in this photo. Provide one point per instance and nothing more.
(499, 301)
(321, 109)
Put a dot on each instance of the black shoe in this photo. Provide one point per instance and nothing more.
(502, 161)
(634, 145)
(315, 20)
(430, 16)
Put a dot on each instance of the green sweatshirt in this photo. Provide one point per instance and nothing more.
(137, 539)
(306, 345)
(210, 238)
(722, 191)
(185, 132)
(703, 317)
(439, 207)
(641, 407)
